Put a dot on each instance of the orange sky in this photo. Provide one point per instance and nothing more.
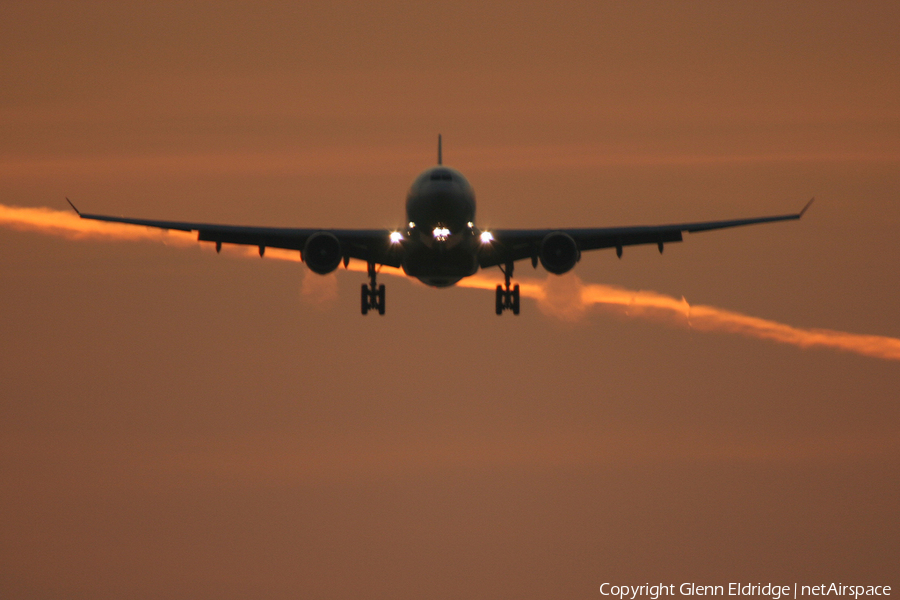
(179, 424)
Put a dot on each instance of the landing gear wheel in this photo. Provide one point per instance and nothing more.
(507, 298)
(372, 294)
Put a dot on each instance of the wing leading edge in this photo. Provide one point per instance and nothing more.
(510, 245)
(370, 245)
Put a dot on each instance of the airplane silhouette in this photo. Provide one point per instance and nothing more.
(441, 244)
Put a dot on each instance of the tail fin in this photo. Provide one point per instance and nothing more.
(440, 158)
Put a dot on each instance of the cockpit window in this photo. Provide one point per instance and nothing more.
(441, 177)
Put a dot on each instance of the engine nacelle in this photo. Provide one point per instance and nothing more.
(322, 252)
(559, 252)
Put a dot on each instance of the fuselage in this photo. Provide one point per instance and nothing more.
(441, 242)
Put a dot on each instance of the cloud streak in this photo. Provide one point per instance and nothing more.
(68, 225)
(566, 297)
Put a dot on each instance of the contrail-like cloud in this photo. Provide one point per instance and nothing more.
(69, 225)
(571, 299)
(564, 297)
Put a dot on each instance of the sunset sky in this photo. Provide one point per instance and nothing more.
(180, 424)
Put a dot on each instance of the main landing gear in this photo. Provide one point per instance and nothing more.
(507, 299)
(373, 294)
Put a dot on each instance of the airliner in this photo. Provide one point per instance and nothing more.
(440, 244)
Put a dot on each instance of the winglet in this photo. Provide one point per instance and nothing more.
(440, 158)
(808, 204)
(77, 212)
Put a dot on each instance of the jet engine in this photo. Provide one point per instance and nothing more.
(322, 252)
(559, 252)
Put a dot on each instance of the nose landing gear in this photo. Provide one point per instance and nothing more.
(507, 299)
(372, 295)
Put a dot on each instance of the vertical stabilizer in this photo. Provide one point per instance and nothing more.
(440, 158)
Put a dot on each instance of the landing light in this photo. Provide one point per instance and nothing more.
(396, 237)
(486, 237)
(441, 234)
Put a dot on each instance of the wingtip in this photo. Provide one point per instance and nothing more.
(808, 204)
(77, 212)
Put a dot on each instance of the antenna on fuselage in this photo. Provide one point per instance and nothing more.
(440, 160)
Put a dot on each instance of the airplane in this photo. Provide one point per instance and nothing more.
(441, 244)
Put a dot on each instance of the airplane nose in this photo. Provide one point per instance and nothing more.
(446, 209)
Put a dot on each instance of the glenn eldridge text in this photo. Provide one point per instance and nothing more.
(768, 590)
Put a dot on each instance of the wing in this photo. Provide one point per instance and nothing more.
(371, 245)
(510, 245)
